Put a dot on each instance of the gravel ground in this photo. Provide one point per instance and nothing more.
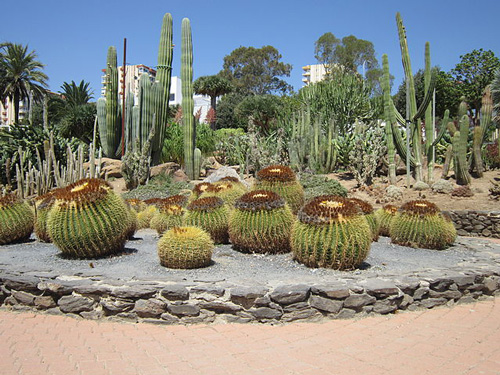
(140, 262)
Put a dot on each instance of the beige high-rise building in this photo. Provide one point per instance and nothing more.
(313, 73)
(7, 111)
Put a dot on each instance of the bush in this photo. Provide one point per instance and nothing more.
(231, 146)
(492, 156)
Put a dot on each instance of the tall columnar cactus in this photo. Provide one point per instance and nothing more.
(16, 219)
(108, 109)
(429, 128)
(189, 124)
(420, 223)
(480, 132)
(459, 143)
(331, 233)
(88, 220)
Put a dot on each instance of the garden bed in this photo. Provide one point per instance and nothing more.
(243, 287)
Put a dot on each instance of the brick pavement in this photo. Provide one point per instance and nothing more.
(464, 339)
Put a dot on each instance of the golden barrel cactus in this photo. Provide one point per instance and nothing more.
(16, 219)
(210, 214)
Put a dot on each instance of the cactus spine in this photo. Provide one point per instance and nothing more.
(187, 100)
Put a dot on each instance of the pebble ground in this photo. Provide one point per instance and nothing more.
(464, 339)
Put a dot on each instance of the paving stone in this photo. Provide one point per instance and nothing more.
(149, 308)
(432, 302)
(246, 296)
(220, 307)
(184, 310)
(24, 298)
(96, 289)
(380, 288)
(384, 307)
(265, 313)
(175, 292)
(24, 283)
(208, 289)
(448, 294)
(358, 300)
(134, 292)
(75, 304)
(57, 288)
(307, 313)
(44, 302)
(288, 294)
(336, 291)
(115, 306)
(346, 314)
(325, 304)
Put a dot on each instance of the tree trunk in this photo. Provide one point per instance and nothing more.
(16, 107)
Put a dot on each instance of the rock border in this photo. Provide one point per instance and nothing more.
(476, 223)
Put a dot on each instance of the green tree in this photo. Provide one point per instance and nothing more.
(473, 73)
(213, 86)
(226, 117)
(262, 110)
(256, 71)
(447, 93)
(21, 74)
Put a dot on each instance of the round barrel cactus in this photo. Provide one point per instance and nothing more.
(260, 223)
(132, 219)
(16, 219)
(136, 204)
(421, 223)
(170, 214)
(43, 204)
(367, 210)
(185, 247)
(283, 181)
(384, 216)
(228, 191)
(198, 190)
(88, 220)
(210, 214)
(332, 233)
(144, 216)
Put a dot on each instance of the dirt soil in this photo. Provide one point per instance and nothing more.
(481, 200)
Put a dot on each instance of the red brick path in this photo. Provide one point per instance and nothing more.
(464, 339)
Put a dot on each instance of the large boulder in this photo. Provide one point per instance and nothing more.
(164, 169)
(111, 168)
(224, 172)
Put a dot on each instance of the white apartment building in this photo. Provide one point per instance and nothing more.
(313, 73)
(132, 76)
(7, 114)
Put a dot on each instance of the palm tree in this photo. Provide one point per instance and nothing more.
(76, 95)
(21, 74)
(213, 86)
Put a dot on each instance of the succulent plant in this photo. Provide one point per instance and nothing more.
(260, 223)
(144, 217)
(185, 247)
(210, 214)
(16, 219)
(420, 223)
(332, 233)
(88, 220)
(170, 214)
(228, 191)
(283, 181)
(199, 189)
(367, 210)
(384, 216)
(132, 220)
(136, 204)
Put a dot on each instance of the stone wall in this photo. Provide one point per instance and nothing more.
(476, 223)
(168, 303)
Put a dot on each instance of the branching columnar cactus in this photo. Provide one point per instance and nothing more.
(420, 223)
(261, 223)
(228, 191)
(210, 214)
(367, 210)
(185, 247)
(16, 219)
(331, 233)
(170, 213)
(88, 220)
(281, 180)
(384, 216)
(43, 204)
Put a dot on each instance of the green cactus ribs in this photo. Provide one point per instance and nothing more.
(283, 181)
(384, 216)
(331, 233)
(420, 223)
(367, 210)
(43, 204)
(185, 247)
(261, 223)
(210, 214)
(88, 220)
(170, 213)
(228, 191)
(16, 219)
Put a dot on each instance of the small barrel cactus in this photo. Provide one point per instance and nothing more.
(144, 216)
(420, 223)
(199, 189)
(136, 204)
(332, 233)
(283, 181)
(170, 214)
(367, 210)
(228, 191)
(88, 220)
(16, 219)
(260, 223)
(384, 216)
(185, 247)
(210, 214)
(132, 219)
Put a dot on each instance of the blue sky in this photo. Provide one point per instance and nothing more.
(72, 37)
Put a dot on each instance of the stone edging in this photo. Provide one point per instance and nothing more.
(476, 223)
(168, 303)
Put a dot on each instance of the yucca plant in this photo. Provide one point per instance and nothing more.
(332, 233)
(16, 219)
(283, 181)
(367, 210)
(210, 214)
(384, 216)
(88, 220)
(260, 223)
(420, 223)
(185, 247)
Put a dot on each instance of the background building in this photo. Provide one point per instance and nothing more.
(313, 73)
(7, 111)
